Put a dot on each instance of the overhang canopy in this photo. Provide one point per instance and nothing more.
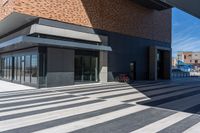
(190, 6)
(153, 4)
(14, 21)
(27, 41)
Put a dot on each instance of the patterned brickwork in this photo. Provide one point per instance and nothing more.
(122, 16)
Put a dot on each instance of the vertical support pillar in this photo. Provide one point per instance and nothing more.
(152, 63)
(167, 64)
(103, 64)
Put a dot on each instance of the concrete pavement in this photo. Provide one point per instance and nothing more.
(165, 107)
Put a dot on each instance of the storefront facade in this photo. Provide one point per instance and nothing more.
(50, 51)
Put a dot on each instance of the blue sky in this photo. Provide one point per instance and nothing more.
(185, 32)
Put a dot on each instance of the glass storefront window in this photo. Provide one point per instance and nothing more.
(20, 68)
(18, 74)
(27, 68)
(15, 68)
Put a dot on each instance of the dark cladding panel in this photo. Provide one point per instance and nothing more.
(127, 49)
(60, 67)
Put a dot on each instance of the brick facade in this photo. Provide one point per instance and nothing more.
(122, 16)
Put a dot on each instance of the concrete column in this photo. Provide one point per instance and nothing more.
(167, 64)
(152, 63)
(60, 67)
(103, 64)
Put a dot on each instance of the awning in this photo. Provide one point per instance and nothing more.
(27, 41)
(189, 6)
(14, 21)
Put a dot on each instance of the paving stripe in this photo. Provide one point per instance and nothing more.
(55, 94)
(136, 100)
(35, 100)
(194, 109)
(94, 120)
(127, 97)
(163, 87)
(85, 91)
(82, 89)
(26, 93)
(112, 93)
(49, 109)
(177, 90)
(109, 90)
(40, 104)
(128, 123)
(153, 88)
(65, 120)
(183, 103)
(165, 91)
(49, 116)
(45, 90)
(170, 97)
(163, 123)
(28, 97)
(141, 85)
(181, 126)
(43, 107)
(123, 93)
(193, 129)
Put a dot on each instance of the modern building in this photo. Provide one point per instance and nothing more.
(189, 57)
(57, 43)
(174, 62)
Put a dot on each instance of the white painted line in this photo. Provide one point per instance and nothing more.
(93, 89)
(135, 101)
(54, 115)
(163, 123)
(36, 104)
(26, 97)
(128, 97)
(156, 98)
(113, 93)
(193, 129)
(182, 104)
(94, 120)
(43, 107)
(58, 94)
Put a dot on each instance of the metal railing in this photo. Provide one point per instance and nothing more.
(185, 74)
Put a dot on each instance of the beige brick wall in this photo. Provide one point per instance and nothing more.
(122, 16)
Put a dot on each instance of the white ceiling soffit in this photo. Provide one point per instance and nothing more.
(190, 6)
(48, 30)
(14, 21)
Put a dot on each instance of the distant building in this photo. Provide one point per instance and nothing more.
(191, 58)
(174, 62)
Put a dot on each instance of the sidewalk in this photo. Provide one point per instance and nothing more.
(7, 86)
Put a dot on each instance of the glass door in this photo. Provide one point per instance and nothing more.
(78, 68)
(86, 68)
(94, 69)
(160, 64)
(86, 64)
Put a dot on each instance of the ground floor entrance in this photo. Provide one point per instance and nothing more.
(51, 67)
(86, 66)
(160, 64)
